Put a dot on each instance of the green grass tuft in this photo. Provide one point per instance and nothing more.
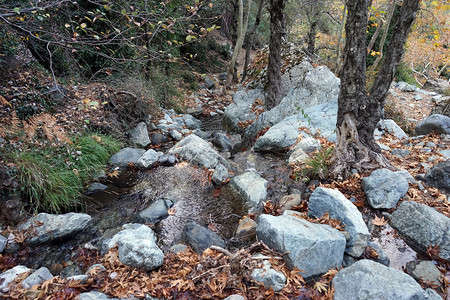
(52, 178)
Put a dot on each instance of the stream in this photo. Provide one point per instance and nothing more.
(196, 199)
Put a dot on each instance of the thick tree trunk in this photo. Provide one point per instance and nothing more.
(312, 39)
(359, 113)
(251, 39)
(277, 27)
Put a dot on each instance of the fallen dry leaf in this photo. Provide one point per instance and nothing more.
(377, 221)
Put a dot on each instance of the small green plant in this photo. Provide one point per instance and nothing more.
(316, 167)
(52, 178)
(404, 73)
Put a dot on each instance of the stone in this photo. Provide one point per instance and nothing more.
(139, 135)
(270, 278)
(252, 187)
(391, 127)
(94, 296)
(400, 152)
(221, 141)
(434, 123)
(95, 269)
(438, 85)
(95, 187)
(137, 247)
(382, 257)
(148, 159)
(240, 111)
(3, 242)
(384, 188)
(70, 271)
(219, 175)
(176, 135)
(439, 176)
(246, 229)
(418, 97)
(406, 87)
(198, 152)
(167, 159)
(333, 202)
(235, 297)
(55, 227)
(209, 83)
(424, 270)
(289, 201)
(156, 211)
(9, 276)
(312, 248)
(178, 248)
(409, 178)
(308, 144)
(423, 226)
(445, 153)
(298, 156)
(39, 276)
(384, 147)
(126, 156)
(189, 121)
(57, 92)
(284, 133)
(158, 139)
(366, 279)
(81, 278)
(201, 238)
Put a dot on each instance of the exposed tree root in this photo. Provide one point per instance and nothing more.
(350, 153)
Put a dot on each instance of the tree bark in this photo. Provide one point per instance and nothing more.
(312, 39)
(344, 18)
(386, 29)
(251, 39)
(277, 28)
(359, 113)
(241, 29)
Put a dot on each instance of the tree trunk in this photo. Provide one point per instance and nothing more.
(251, 39)
(276, 39)
(312, 39)
(359, 113)
(344, 18)
(241, 29)
(386, 29)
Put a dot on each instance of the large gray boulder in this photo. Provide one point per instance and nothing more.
(406, 87)
(252, 187)
(384, 188)
(39, 276)
(312, 248)
(333, 202)
(369, 280)
(126, 156)
(9, 276)
(438, 85)
(423, 226)
(201, 238)
(439, 176)
(137, 247)
(320, 118)
(198, 152)
(434, 123)
(54, 227)
(139, 135)
(241, 109)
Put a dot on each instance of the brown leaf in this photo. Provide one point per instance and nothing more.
(377, 221)
(320, 287)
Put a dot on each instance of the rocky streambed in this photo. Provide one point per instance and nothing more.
(211, 187)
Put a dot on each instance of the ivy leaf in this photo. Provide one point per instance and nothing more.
(16, 10)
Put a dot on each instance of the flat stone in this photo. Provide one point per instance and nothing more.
(94, 296)
(55, 227)
(270, 278)
(201, 238)
(95, 187)
(156, 211)
(246, 229)
(366, 279)
(384, 188)
(298, 156)
(289, 201)
(126, 156)
(424, 270)
(439, 176)
(3, 242)
(39, 276)
(312, 248)
(251, 186)
(400, 152)
(220, 175)
(9, 276)
(333, 202)
(423, 226)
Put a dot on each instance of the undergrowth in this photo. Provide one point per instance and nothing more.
(316, 167)
(52, 178)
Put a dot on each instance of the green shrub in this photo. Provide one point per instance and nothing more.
(316, 167)
(404, 73)
(52, 178)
